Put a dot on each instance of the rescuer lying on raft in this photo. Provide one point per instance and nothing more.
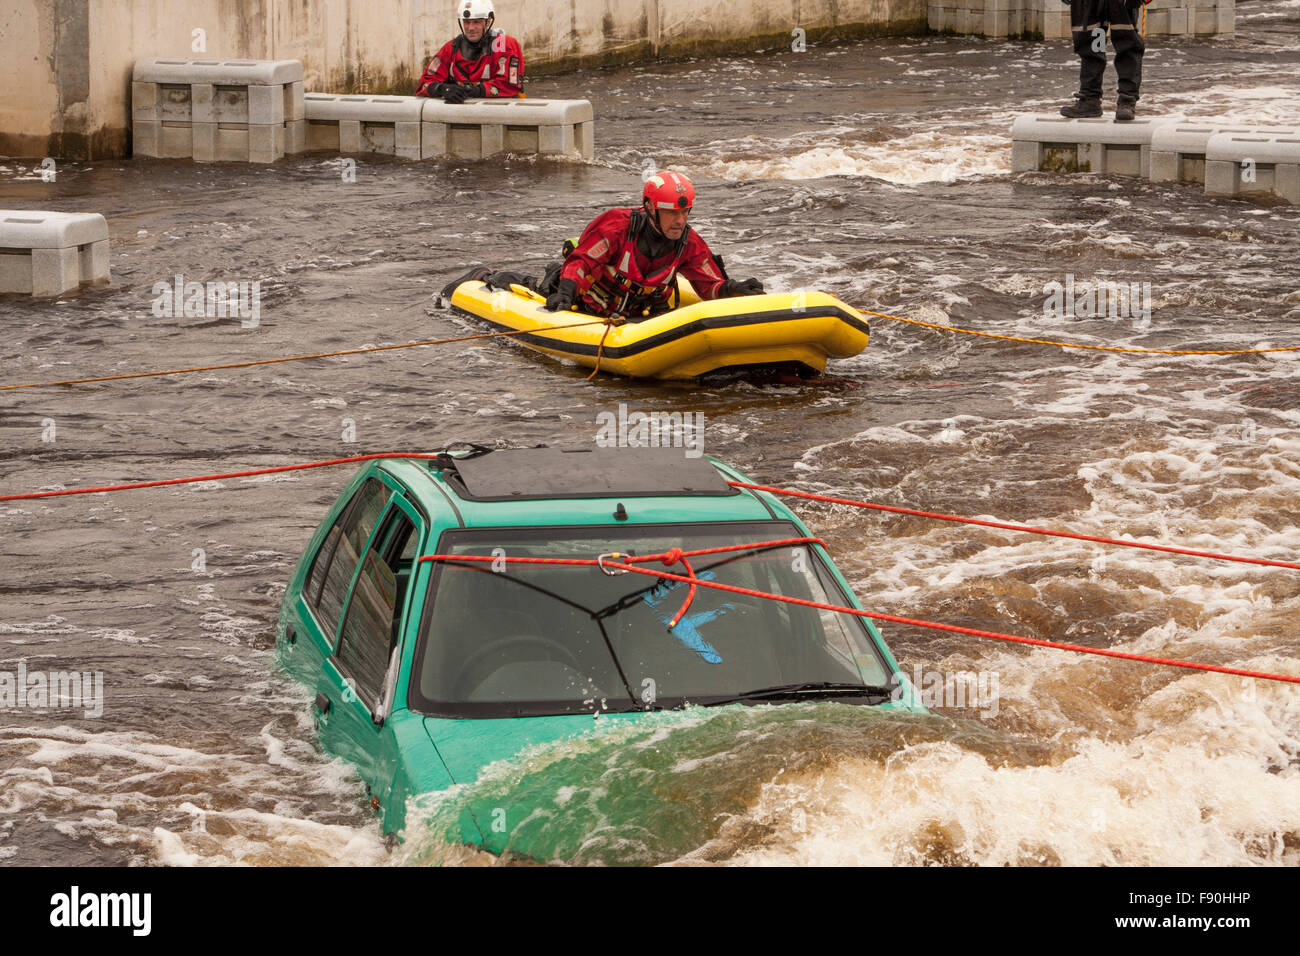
(626, 263)
(481, 62)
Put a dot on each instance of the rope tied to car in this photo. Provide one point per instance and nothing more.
(633, 563)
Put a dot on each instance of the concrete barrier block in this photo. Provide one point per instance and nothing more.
(1026, 156)
(175, 103)
(55, 271)
(1260, 161)
(265, 105)
(294, 105)
(231, 143)
(585, 137)
(203, 137)
(295, 137)
(1055, 23)
(407, 140)
(201, 109)
(50, 253)
(1286, 182)
(514, 125)
(368, 124)
(265, 142)
(1227, 18)
(322, 135)
(435, 140)
(1178, 149)
(144, 102)
(350, 136)
(175, 141)
(1097, 145)
(556, 140)
(146, 137)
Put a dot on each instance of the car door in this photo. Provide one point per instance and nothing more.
(312, 632)
(356, 680)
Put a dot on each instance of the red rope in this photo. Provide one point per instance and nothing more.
(233, 474)
(669, 558)
(1015, 527)
(953, 628)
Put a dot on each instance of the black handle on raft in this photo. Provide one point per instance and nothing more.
(322, 703)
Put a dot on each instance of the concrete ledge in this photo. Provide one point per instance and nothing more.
(223, 72)
(416, 127)
(1043, 141)
(480, 128)
(1050, 19)
(1259, 161)
(50, 253)
(1178, 149)
(390, 125)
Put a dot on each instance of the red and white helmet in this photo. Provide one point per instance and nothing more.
(668, 190)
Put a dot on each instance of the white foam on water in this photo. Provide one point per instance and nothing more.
(942, 155)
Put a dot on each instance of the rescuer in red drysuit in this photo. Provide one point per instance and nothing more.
(627, 261)
(481, 62)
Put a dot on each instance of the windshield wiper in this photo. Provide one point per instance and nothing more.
(808, 689)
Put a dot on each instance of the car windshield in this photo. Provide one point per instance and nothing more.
(514, 639)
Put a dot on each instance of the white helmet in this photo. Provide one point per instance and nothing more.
(475, 10)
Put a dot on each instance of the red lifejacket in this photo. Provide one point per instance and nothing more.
(500, 68)
(613, 277)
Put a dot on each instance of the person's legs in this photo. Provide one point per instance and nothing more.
(1127, 40)
(1090, 44)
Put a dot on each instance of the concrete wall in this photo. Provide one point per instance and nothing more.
(65, 65)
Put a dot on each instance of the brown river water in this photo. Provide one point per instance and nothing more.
(879, 171)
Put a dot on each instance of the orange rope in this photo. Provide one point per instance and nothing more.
(296, 358)
(612, 321)
(1073, 345)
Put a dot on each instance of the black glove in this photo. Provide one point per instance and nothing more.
(455, 93)
(562, 300)
(740, 287)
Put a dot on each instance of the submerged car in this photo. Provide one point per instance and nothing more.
(434, 619)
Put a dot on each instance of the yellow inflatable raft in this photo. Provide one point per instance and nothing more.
(790, 332)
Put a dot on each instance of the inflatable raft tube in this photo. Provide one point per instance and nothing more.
(799, 331)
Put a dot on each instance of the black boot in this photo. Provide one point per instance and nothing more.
(1124, 109)
(1083, 107)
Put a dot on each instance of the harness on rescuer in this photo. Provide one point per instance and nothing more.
(626, 263)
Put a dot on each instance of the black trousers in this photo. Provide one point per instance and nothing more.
(1088, 22)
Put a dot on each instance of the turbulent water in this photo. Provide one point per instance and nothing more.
(879, 171)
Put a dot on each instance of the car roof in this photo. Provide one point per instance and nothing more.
(582, 486)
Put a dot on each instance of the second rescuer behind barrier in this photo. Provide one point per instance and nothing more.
(481, 62)
(627, 260)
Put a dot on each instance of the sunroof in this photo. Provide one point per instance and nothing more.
(541, 473)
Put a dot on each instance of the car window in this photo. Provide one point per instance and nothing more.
(370, 624)
(356, 524)
(539, 638)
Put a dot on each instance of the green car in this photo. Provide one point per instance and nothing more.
(428, 665)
